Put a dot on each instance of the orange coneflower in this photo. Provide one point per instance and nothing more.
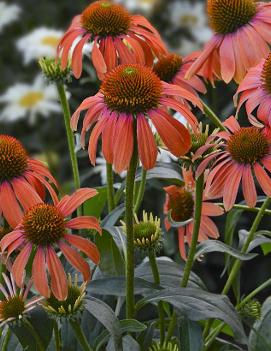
(255, 93)
(179, 207)
(242, 34)
(117, 37)
(246, 152)
(22, 180)
(43, 228)
(134, 93)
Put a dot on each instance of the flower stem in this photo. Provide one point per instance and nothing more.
(246, 208)
(6, 340)
(192, 249)
(35, 335)
(141, 190)
(70, 136)
(110, 187)
(57, 336)
(156, 278)
(196, 228)
(212, 116)
(80, 335)
(129, 222)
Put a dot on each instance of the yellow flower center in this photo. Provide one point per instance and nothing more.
(168, 66)
(31, 99)
(50, 40)
(181, 204)
(13, 158)
(104, 18)
(44, 224)
(12, 307)
(248, 145)
(131, 89)
(226, 16)
(266, 74)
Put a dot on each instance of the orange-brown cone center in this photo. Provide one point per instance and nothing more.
(181, 203)
(104, 18)
(12, 307)
(266, 74)
(131, 89)
(167, 67)
(226, 16)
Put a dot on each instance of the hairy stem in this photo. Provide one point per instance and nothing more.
(110, 187)
(212, 116)
(80, 335)
(141, 190)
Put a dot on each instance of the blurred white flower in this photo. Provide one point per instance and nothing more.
(142, 5)
(193, 17)
(101, 168)
(41, 42)
(28, 100)
(180, 118)
(188, 46)
(8, 14)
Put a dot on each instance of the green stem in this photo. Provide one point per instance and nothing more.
(6, 340)
(156, 278)
(246, 208)
(57, 336)
(80, 335)
(129, 222)
(192, 249)
(196, 228)
(141, 190)
(110, 187)
(35, 335)
(212, 116)
(70, 136)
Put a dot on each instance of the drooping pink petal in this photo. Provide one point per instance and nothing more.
(227, 58)
(263, 179)
(49, 188)
(15, 245)
(248, 186)
(232, 124)
(231, 186)
(25, 193)
(108, 138)
(98, 60)
(39, 273)
(91, 117)
(20, 263)
(66, 46)
(9, 205)
(9, 238)
(126, 56)
(75, 259)
(94, 137)
(85, 246)
(110, 55)
(77, 56)
(210, 209)
(84, 222)
(38, 167)
(146, 144)
(70, 203)
(209, 227)
(59, 284)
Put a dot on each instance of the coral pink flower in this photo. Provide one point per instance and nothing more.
(172, 68)
(255, 93)
(43, 228)
(22, 180)
(117, 36)
(245, 152)
(129, 96)
(242, 34)
(180, 206)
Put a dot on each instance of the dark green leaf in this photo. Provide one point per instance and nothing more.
(197, 305)
(111, 219)
(94, 206)
(132, 325)
(191, 336)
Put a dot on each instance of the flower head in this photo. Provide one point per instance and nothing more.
(117, 36)
(244, 153)
(8, 14)
(15, 303)
(45, 227)
(237, 26)
(51, 68)
(41, 42)
(171, 68)
(72, 305)
(179, 209)
(255, 94)
(24, 100)
(166, 346)
(23, 181)
(129, 96)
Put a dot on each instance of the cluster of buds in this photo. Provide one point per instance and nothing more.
(52, 71)
(251, 311)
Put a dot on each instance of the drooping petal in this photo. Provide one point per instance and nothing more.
(9, 238)
(84, 222)
(9, 205)
(146, 144)
(59, 284)
(25, 193)
(84, 245)
(20, 263)
(77, 56)
(227, 58)
(231, 186)
(248, 186)
(39, 273)
(263, 179)
(98, 60)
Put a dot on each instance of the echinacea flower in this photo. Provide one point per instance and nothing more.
(41, 42)
(117, 36)
(15, 303)
(8, 14)
(23, 181)
(29, 100)
(255, 94)
(172, 68)
(242, 32)
(129, 95)
(45, 227)
(245, 153)
(179, 210)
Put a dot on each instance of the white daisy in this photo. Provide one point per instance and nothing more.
(41, 42)
(142, 5)
(8, 14)
(28, 100)
(193, 17)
